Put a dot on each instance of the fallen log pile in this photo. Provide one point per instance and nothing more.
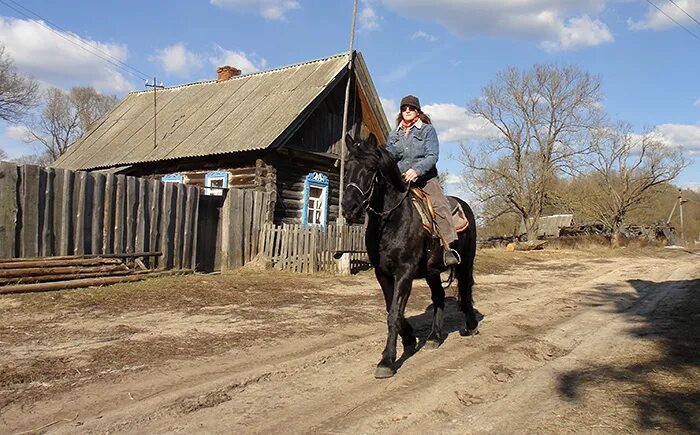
(21, 275)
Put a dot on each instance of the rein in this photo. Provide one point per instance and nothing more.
(367, 197)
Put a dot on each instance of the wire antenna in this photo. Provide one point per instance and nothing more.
(155, 87)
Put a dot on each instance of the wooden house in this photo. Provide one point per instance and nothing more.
(279, 131)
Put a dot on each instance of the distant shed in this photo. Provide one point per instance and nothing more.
(550, 226)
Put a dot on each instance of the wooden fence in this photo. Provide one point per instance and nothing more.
(243, 215)
(310, 249)
(48, 212)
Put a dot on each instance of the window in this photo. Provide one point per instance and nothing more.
(172, 178)
(216, 179)
(315, 199)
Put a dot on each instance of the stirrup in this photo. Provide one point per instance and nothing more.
(451, 260)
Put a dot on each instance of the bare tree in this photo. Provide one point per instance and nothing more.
(3, 154)
(543, 117)
(67, 116)
(18, 94)
(622, 170)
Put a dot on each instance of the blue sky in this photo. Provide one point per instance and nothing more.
(443, 51)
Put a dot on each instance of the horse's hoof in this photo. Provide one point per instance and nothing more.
(410, 347)
(383, 372)
(431, 344)
(466, 332)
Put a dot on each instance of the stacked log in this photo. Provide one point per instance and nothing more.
(20, 275)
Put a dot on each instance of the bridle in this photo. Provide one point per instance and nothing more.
(367, 196)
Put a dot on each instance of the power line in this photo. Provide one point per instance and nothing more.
(684, 11)
(670, 18)
(95, 51)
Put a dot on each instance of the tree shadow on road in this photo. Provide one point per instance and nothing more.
(663, 386)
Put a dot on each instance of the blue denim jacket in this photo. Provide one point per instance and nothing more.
(419, 150)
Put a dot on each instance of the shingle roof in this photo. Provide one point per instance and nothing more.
(244, 113)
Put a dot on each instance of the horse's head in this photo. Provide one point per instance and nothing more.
(361, 171)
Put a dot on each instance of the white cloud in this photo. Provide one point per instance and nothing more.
(56, 58)
(656, 20)
(176, 59)
(17, 132)
(453, 179)
(391, 109)
(686, 136)
(456, 124)
(269, 9)
(369, 20)
(423, 35)
(579, 32)
(697, 102)
(554, 24)
(452, 122)
(245, 62)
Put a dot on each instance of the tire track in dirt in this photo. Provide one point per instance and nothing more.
(325, 385)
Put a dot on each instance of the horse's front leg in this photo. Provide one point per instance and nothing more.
(437, 293)
(395, 323)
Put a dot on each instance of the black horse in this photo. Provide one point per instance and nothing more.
(399, 248)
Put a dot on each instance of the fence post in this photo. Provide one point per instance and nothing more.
(8, 209)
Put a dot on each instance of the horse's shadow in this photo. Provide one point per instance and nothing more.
(422, 325)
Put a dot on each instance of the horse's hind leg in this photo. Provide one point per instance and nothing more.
(465, 283)
(437, 293)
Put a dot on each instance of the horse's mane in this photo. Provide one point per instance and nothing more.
(387, 165)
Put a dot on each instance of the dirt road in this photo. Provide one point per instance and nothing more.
(570, 342)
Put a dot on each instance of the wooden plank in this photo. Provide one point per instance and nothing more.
(51, 270)
(237, 228)
(156, 193)
(66, 243)
(80, 196)
(190, 202)
(195, 230)
(9, 177)
(179, 224)
(108, 219)
(98, 214)
(47, 247)
(255, 230)
(120, 215)
(248, 204)
(313, 265)
(132, 189)
(141, 215)
(167, 225)
(29, 210)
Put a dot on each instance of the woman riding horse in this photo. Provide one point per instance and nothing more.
(414, 143)
(399, 248)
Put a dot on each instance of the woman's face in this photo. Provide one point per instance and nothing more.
(409, 113)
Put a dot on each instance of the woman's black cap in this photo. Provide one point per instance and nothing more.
(410, 100)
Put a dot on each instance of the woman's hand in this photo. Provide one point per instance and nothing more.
(410, 176)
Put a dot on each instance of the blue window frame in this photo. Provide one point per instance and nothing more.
(215, 179)
(315, 200)
(173, 178)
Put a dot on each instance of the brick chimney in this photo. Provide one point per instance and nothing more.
(226, 72)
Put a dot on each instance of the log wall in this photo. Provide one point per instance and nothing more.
(48, 212)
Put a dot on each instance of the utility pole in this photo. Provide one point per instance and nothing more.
(346, 106)
(344, 261)
(155, 87)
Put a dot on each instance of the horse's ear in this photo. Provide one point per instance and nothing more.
(372, 140)
(349, 142)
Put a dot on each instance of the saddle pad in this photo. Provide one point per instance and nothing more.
(422, 203)
(460, 220)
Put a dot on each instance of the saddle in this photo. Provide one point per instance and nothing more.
(421, 201)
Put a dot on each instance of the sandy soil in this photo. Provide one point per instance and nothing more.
(571, 342)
